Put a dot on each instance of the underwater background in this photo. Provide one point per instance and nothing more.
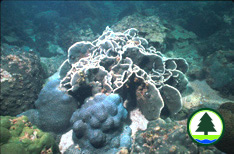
(114, 76)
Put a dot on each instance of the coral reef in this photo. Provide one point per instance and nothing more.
(218, 64)
(18, 136)
(226, 143)
(54, 108)
(123, 63)
(171, 39)
(22, 77)
(98, 125)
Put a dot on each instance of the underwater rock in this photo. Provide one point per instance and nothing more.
(98, 124)
(150, 28)
(220, 40)
(226, 143)
(179, 33)
(18, 136)
(138, 121)
(66, 37)
(22, 77)
(11, 39)
(182, 43)
(219, 69)
(46, 22)
(54, 107)
(123, 63)
(51, 65)
(66, 141)
(46, 47)
(167, 136)
(47, 16)
(163, 137)
(42, 42)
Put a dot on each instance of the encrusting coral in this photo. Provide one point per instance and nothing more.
(19, 136)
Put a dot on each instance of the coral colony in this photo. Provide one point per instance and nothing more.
(109, 78)
(124, 64)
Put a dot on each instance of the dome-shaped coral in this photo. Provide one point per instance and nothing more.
(98, 124)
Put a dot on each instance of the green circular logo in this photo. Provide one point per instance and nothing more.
(205, 126)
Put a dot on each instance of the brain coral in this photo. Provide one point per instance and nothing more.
(19, 136)
(99, 124)
(124, 63)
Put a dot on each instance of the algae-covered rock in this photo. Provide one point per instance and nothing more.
(150, 28)
(163, 137)
(219, 69)
(18, 136)
(167, 136)
(22, 77)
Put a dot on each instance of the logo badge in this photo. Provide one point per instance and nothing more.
(205, 126)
